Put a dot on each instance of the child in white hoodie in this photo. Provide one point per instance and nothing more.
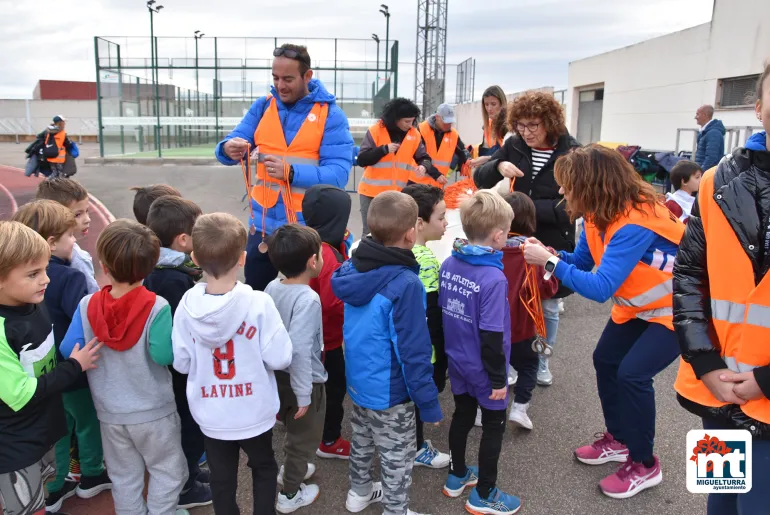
(229, 339)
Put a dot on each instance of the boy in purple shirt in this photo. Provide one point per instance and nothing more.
(473, 295)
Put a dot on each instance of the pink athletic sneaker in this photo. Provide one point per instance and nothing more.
(603, 450)
(630, 479)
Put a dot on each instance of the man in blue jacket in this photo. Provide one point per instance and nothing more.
(297, 101)
(711, 139)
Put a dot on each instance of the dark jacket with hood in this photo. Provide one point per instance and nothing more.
(742, 190)
(711, 145)
(327, 210)
(554, 227)
(172, 277)
(62, 297)
(387, 346)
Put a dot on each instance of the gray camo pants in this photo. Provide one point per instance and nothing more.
(391, 433)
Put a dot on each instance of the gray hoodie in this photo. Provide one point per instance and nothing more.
(300, 309)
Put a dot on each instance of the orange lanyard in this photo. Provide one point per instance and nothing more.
(291, 213)
(530, 297)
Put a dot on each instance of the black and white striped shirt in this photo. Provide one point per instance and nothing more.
(540, 157)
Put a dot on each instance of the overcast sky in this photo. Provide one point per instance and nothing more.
(518, 44)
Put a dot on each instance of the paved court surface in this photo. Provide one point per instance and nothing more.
(537, 465)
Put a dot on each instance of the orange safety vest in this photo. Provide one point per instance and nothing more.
(740, 309)
(647, 291)
(490, 139)
(58, 138)
(442, 157)
(304, 149)
(393, 171)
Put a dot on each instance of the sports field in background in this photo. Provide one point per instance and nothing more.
(202, 151)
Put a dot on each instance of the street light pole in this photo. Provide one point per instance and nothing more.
(376, 38)
(154, 69)
(198, 35)
(386, 13)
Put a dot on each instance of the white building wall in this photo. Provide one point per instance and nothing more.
(654, 87)
(33, 116)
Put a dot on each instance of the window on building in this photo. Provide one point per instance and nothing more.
(737, 91)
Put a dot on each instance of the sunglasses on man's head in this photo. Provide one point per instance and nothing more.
(291, 54)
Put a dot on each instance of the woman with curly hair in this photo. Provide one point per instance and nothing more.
(528, 157)
(632, 239)
(391, 150)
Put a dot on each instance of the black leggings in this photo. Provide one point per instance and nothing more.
(492, 430)
(336, 386)
(525, 361)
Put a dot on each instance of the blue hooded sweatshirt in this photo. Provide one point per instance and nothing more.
(336, 152)
(711, 145)
(387, 344)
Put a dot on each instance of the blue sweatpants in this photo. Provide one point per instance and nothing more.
(627, 358)
(754, 501)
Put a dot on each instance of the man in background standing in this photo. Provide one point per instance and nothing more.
(711, 139)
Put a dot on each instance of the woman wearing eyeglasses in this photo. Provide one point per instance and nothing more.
(539, 138)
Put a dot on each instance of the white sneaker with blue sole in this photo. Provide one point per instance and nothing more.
(430, 457)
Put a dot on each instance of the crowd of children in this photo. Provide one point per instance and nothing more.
(142, 376)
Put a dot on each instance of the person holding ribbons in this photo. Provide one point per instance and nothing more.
(301, 138)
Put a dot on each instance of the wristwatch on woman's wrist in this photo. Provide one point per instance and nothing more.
(550, 267)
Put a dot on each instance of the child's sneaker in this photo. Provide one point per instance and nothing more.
(428, 456)
(305, 496)
(498, 503)
(74, 473)
(339, 449)
(48, 472)
(513, 376)
(91, 486)
(603, 450)
(198, 495)
(455, 486)
(544, 375)
(477, 423)
(518, 415)
(204, 476)
(355, 503)
(630, 479)
(410, 512)
(54, 501)
(308, 474)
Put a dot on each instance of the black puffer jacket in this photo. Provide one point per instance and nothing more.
(742, 191)
(554, 228)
